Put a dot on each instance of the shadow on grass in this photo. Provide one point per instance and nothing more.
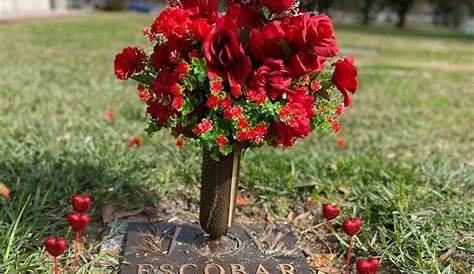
(414, 33)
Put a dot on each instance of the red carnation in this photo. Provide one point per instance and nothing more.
(225, 103)
(161, 113)
(242, 123)
(212, 101)
(203, 127)
(178, 103)
(345, 78)
(278, 5)
(128, 62)
(134, 142)
(236, 91)
(201, 8)
(172, 23)
(233, 112)
(165, 56)
(199, 29)
(216, 87)
(260, 132)
(221, 140)
(179, 142)
(341, 143)
(224, 54)
(273, 76)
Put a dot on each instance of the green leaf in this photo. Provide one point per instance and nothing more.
(144, 79)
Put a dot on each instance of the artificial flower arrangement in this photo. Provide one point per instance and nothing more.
(263, 72)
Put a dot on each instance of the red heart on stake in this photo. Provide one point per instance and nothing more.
(330, 212)
(368, 266)
(55, 246)
(81, 203)
(351, 226)
(78, 221)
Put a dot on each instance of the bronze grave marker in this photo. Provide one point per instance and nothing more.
(163, 247)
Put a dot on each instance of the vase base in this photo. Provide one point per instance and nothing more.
(164, 247)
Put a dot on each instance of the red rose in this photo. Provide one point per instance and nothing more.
(273, 76)
(172, 23)
(247, 17)
(201, 8)
(224, 54)
(320, 36)
(265, 43)
(199, 29)
(304, 62)
(278, 5)
(345, 78)
(296, 31)
(128, 62)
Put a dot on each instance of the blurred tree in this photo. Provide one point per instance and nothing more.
(324, 5)
(401, 7)
(449, 13)
(366, 7)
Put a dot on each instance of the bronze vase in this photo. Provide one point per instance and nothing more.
(219, 181)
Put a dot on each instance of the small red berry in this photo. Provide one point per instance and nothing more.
(78, 221)
(81, 203)
(351, 226)
(368, 266)
(330, 212)
(55, 246)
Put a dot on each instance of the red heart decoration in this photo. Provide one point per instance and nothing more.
(81, 203)
(368, 266)
(351, 226)
(330, 212)
(78, 221)
(55, 246)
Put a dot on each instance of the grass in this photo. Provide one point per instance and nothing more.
(408, 168)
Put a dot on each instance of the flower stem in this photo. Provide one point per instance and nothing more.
(349, 253)
(56, 268)
(75, 249)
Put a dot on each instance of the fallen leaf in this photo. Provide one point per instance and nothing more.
(4, 191)
(333, 167)
(291, 216)
(107, 214)
(241, 201)
(446, 254)
(270, 218)
(323, 260)
(124, 214)
(328, 270)
(302, 216)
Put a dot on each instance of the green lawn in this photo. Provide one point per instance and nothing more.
(407, 170)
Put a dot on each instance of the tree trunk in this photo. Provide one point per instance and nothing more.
(218, 192)
(366, 11)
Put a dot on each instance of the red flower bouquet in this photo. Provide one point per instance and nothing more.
(258, 73)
